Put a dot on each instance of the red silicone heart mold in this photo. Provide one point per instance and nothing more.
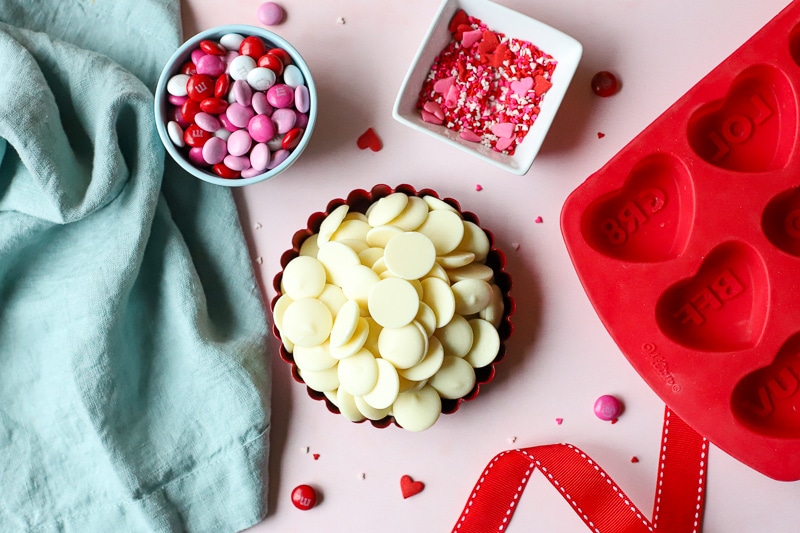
(750, 130)
(768, 400)
(687, 243)
(649, 218)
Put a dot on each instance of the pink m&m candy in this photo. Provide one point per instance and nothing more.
(239, 143)
(607, 407)
(270, 14)
(261, 128)
(280, 95)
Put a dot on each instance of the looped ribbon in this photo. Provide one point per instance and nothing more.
(593, 495)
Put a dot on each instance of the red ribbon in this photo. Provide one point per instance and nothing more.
(593, 495)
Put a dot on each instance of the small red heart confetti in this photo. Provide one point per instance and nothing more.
(409, 487)
(369, 139)
(316, 456)
(600, 134)
(634, 459)
(538, 220)
(488, 43)
(478, 187)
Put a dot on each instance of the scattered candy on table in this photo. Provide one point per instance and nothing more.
(270, 14)
(239, 106)
(369, 139)
(605, 83)
(304, 497)
(486, 86)
(607, 407)
(409, 487)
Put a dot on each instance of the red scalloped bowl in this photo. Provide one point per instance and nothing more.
(359, 200)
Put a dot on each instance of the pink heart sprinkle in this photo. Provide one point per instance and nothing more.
(503, 143)
(470, 37)
(559, 421)
(430, 118)
(443, 85)
(451, 100)
(521, 87)
(471, 136)
(538, 220)
(434, 108)
(503, 129)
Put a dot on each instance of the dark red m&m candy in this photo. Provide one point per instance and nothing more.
(605, 83)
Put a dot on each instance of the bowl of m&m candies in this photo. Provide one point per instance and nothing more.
(393, 306)
(235, 105)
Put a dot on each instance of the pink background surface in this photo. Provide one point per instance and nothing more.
(560, 357)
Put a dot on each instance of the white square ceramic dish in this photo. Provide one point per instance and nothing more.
(564, 49)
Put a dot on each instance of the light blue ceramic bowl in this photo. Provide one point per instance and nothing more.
(182, 55)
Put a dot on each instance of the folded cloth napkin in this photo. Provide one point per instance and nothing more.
(134, 383)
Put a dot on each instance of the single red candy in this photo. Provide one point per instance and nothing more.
(215, 106)
(212, 47)
(188, 68)
(304, 497)
(200, 87)
(189, 109)
(272, 62)
(292, 138)
(222, 85)
(195, 136)
(605, 83)
(282, 54)
(252, 46)
(225, 172)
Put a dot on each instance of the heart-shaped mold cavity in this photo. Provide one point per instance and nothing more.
(721, 308)
(781, 221)
(649, 218)
(768, 400)
(794, 44)
(752, 129)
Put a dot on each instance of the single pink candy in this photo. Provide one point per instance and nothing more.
(260, 104)
(207, 121)
(278, 157)
(251, 172)
(302, 120)
(239, 143)
(607, 407)
(284, 120)
(196, 156)
(197, 53)
(242, 92)
(261, 128)
(280, 95)
(211, 65)
(260, 156)
(302, 98)
(226, 123)
(177, 100)
(239, 115)
(214, 151)
(237, 162)
(270, 14)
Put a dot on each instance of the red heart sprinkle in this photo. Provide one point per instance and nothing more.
(488, 43)
(600, 134)
(634, 459)
(538, 220)
(459, 18)
(369, 139)
(409, 487)
(541, 85)
(316, 456)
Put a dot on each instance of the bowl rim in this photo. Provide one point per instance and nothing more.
(566, 50)
(182, 53)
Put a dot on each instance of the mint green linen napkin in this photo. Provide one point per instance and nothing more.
(134, 383)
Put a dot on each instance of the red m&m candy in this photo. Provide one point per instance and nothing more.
(304, 497)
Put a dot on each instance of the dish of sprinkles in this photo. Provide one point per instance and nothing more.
(485, 86)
